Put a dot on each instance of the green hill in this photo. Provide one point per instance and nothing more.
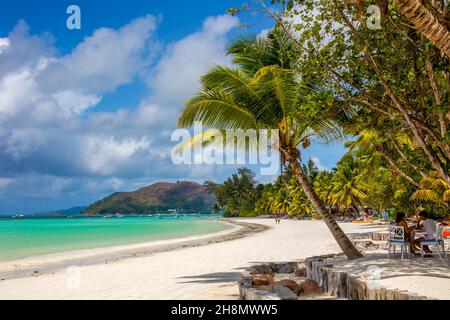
(185, 197)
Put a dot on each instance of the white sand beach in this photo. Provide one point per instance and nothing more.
(193, 272)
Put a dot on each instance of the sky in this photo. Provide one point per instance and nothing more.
(86, 113)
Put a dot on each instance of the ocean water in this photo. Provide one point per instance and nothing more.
(21, 238)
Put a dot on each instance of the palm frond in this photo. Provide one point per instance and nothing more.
(225, 78)
(426, 195)
(327, 130)
(216, 109)
(446, 196)
(203, 139)
(252, 54)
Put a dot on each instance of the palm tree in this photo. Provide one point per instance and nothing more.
(299, 205)
(433, 189)
(348, 189)
(426, 23)
(371, 142)
(266, 203)
(323, 186)
(263, 92)
(272, 203)
(282, 202)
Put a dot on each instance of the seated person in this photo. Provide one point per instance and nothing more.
(429, 225)
(400, 221)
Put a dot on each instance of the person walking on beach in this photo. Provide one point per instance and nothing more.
(277, 220)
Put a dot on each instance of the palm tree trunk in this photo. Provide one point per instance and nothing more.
(341, 238)
(437, 96)
(426, 23)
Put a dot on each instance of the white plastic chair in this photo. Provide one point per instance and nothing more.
(397, 238)
(438, 242)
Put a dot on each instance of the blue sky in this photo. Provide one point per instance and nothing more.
(84, 113)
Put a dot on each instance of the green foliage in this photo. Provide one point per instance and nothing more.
(185, 197)
(238, 194)
(285, 197)
(433, 194)
(323, 74)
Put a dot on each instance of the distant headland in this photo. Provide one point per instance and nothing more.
(161, 197)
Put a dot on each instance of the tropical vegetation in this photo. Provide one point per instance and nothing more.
(327, 73)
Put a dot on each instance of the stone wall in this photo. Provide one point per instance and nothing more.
(331, 280)
(343, 285)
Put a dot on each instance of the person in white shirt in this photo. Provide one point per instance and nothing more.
(429, 225)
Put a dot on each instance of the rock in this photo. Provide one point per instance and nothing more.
(290, 284)
(268, 288)
(272, 267)
(284, 293)
(254, 294)
(308, 287)
(301, 273)
(263, 279)
(246, 277)
(262, 269)
(252, 270)
(286, 268)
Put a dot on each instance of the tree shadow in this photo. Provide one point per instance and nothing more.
(216, 277)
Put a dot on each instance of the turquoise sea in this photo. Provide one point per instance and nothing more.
(21, 238)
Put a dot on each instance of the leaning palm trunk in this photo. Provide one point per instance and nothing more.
(341, 238)
(265, 92)
(426, 23)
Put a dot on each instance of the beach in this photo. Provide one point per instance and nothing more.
(205, 267)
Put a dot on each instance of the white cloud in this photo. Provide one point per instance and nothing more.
(264, 33)
(104, 155)
(104, 61)
(42, 96)
(4, 44)
(25, 49)
(17, 91)
(178, 72)
(319, 164)
(50, 147)
(75, 103)
(74, 82)
(22, 142)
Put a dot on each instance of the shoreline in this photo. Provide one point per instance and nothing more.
(50, 263)
(209, 268)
